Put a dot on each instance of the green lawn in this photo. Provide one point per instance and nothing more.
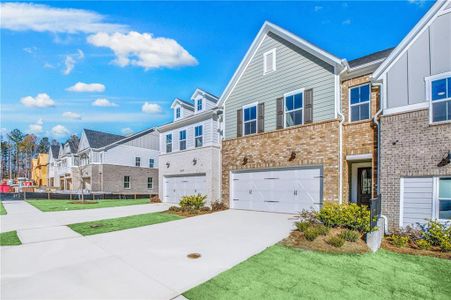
(2, 209)
(108, 225)
(283, 273)
(58, 205)
(9, 238)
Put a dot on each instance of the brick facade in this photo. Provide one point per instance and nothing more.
(314, 144)
(410, 146)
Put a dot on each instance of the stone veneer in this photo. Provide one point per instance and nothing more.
(410, 146)
(315, 144)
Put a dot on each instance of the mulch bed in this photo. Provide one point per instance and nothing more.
(434, 252)
(191, 213)
(296, 239)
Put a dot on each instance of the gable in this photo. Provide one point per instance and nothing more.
(84, 144)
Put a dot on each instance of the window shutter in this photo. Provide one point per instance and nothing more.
(239, 122)
(261, 117)
(279, 113)
(308, 106)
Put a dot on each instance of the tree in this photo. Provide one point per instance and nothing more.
(16, 136)
(55, 143)
(44, 145)
(28, 149)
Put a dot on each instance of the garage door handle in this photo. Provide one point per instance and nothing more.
(236, 199)
(250, 192)
(321, 176)
(271, 201)
(271, 178)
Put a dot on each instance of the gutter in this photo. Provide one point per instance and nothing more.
(340, 138)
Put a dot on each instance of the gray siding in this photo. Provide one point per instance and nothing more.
(417, 200)
(148, 141)
(295, 69)
(429, 55)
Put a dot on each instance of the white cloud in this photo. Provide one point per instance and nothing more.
(71, 115)
(143, 50)
(41, 100)
(317, 8)
(41, 18)
(151, 108)
(60, 131)
(103, 103)
(346, 22)
(417, 2)
(48, 66)
(30, 50)
(86, 87)
(37, 127)
(127, 131)
(71, 60)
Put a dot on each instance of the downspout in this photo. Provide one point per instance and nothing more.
(340, 138)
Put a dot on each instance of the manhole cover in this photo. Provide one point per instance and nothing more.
(194, 255)
(95, 225)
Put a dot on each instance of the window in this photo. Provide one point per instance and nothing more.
(149, 183)
(199, 105)
(198, 136)
(137, 161)
(294, 108)
(444, 198)
(441, 99)
(182, 139)
(177, 112)
(168, 143)
(250, 120)
(269, 61)
(126, 182)
(151, 163)
(359, 103)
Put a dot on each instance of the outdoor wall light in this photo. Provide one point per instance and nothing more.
(194, 161)
(245, 160)
(292, 156)
(446, 160)
(167, 165)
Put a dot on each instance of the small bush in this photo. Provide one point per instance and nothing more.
(205, 208)
(423, 244)
(174, 208)
(399, 240)
(445, 246)
(351, 216)
(350, 235)
(193, 202)
(302, 226)
(437, 234)
(335, 241)
(309, 216)
(311, 234)
(322, 230)
(218, 205)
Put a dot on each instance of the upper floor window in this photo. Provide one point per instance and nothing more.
(151, 163)
(294, 108)
(444, 198)
(137, 161)
(359, 103)
(149, 183)
(250, 119)
(177, 113)
(182, 135)
(269, 61)
(199, 105)
(198, 141)
(441, 99)
(168, 143)
(126, 182)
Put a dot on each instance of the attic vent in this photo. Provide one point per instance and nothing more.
(269, 61)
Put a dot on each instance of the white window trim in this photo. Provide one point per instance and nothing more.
(166, 143)
(429, 94)
(129, 182)
(436, 199)
(197, 104)
(360, 103)
(197, 136)
(175, 112)
(274, 68)
(137, 158)
(152, 163)
(151, 188)
(256, 118)
(298, 91)
(181, 140)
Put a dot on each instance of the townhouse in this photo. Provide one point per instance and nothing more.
(52, 169)
(39, 167)
(189, 161)
(415, 125)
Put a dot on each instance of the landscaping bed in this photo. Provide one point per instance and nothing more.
(194, 205)
(9, 238)
(61, 205)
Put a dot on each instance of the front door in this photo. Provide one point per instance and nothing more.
(364, 183)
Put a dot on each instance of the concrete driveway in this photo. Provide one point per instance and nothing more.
(142, 263)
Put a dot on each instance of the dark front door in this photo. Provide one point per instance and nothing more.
(364, 183)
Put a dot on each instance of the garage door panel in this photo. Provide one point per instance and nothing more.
(178, 186)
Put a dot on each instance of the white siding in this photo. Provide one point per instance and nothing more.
(124, 155)
(417, 198)
(148, 141)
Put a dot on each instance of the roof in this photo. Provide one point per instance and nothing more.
(410, 37)
(55, 150)
(370, 58)
(184, 103)
(99, 139)
(286, 35)
(204, 93)
(131, 137)
(73, 145)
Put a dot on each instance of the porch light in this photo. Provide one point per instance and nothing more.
(245, 160)
(445, 161)
(292, 156)
(194, 161)
(167, 165)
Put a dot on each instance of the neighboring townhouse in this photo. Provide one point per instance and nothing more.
(190, 158)
(298, 126)
(415, 147)
(116, 164)
(39, 169)
(66, 161)
(52, 169)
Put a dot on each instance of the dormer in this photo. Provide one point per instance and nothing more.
(182, 109)
(203, 100)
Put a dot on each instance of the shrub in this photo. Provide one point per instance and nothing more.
(445, 246)
(302, 226)
(218, 205)
(193, 202)
(311, 233)
(205, 208)
(174, 208)
(399, 240)
(335, 241)
(351, 216)
(350, 235)
(437, 234)
(322, 230)
(309, 216)
(423, 244)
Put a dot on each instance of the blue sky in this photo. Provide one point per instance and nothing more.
(175, 47)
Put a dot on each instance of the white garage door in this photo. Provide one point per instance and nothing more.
(283, 190)
(178, 186)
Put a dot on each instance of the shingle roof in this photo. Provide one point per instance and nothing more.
(55, 150)
(73, 145)
(98, 139)
(370, 58)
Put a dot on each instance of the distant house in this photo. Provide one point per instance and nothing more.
(190, 158)
(39, 169)
(52, 170)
